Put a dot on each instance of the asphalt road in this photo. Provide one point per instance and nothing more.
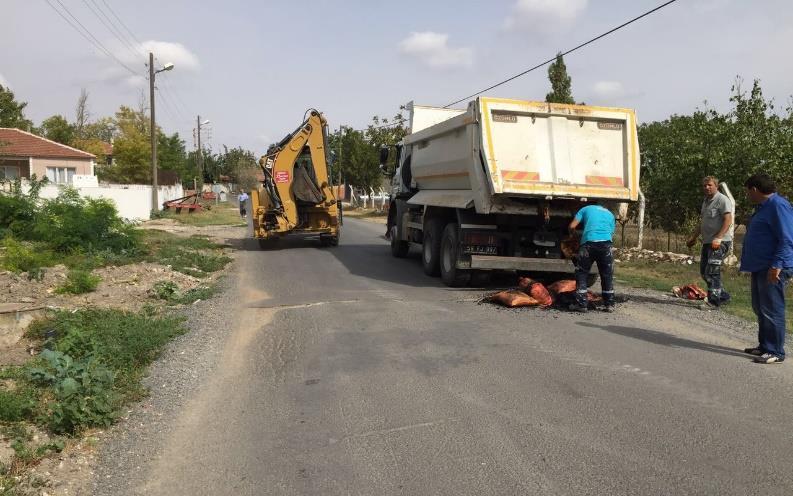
(346, 371)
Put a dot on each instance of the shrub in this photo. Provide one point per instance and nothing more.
(70, 222)
(79, 281)
(26, 257)
(18, 209)
(165, 290)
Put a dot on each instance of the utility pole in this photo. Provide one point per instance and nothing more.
(199, 155)
(155, 203)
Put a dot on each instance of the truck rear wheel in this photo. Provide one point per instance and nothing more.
(399, 248)
(431, 247)
(450, 245)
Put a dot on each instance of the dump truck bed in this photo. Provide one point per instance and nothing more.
(513, 148)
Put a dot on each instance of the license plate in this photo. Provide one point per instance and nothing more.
(480, 250)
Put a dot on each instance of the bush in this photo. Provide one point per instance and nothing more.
(169, 291)
(165, 290)
(70, 222)
(18, 210)
(26, 257)
(79, 281)
(82, 391)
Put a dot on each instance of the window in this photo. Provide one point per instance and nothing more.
(9, 172)
(60, 175)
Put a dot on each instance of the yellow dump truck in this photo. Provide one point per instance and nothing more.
(296, 195)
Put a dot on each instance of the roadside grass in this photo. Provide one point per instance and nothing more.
(196, 256)
(220, 215)
(169, 291)
(92, 364)
(365, 212)
(662, 276)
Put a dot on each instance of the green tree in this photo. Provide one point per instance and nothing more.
(171, 155)
(58, 129)
(561, 91)
(131, 150)
(11, 111)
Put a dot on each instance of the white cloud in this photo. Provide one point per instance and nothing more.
(433, 50)
(609, 90)
(544, 15)
(164, 52)
(175, 53)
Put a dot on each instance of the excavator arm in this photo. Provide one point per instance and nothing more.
(296, 194)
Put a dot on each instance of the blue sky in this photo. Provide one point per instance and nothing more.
(253, 68)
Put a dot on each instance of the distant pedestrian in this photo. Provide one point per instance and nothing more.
(596, 247)
(243, 199)
(768, 254)
(715, 228)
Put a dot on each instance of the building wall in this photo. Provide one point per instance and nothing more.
(133, 201)
(80, 166)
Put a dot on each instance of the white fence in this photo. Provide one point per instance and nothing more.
(133, 201)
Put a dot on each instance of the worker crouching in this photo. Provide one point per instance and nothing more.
(596, 247)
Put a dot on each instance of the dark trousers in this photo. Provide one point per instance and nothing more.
(710, 264)
(768, 303)
(599, 252)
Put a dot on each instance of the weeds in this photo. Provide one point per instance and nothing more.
(82, 391)
(122, 341)
(26, 257)
(169, 291)
(17, 405)
(79, 281)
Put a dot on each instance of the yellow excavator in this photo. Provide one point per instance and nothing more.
(296, 195)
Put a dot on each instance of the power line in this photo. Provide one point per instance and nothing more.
(582, 45)
(122, 23)
(108, 23)
(85, 33)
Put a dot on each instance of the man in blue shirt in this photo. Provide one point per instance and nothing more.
(596, 247)
(768, 254)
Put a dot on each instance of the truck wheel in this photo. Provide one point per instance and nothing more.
(591, 279)
(399, 248)
(431, 247)
(328, 240)
(450, 244)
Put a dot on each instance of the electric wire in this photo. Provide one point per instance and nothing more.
(582, 45)
(108, 23)
(122, 23)
(86, 33)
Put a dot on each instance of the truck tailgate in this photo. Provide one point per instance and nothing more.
(537, 148)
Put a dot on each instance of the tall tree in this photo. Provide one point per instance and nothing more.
(11, 111)
(171, 155)
(81, 115)
(561, 91)
(131, 150)
(58, 129)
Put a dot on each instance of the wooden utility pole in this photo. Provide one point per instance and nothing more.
(155, 203)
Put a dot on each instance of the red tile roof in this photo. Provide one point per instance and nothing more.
(18, 143)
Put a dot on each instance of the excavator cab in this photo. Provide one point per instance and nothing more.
(296, 195)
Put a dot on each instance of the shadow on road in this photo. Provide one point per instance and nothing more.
(664, 339)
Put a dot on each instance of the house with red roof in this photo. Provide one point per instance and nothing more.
(23, 154)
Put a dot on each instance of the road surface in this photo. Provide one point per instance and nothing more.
(346, 371)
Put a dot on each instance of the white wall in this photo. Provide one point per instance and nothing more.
(133, 201)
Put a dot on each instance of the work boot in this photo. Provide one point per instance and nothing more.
(575, 307)
(610, 308)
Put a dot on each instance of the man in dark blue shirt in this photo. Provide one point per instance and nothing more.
(768, 254)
